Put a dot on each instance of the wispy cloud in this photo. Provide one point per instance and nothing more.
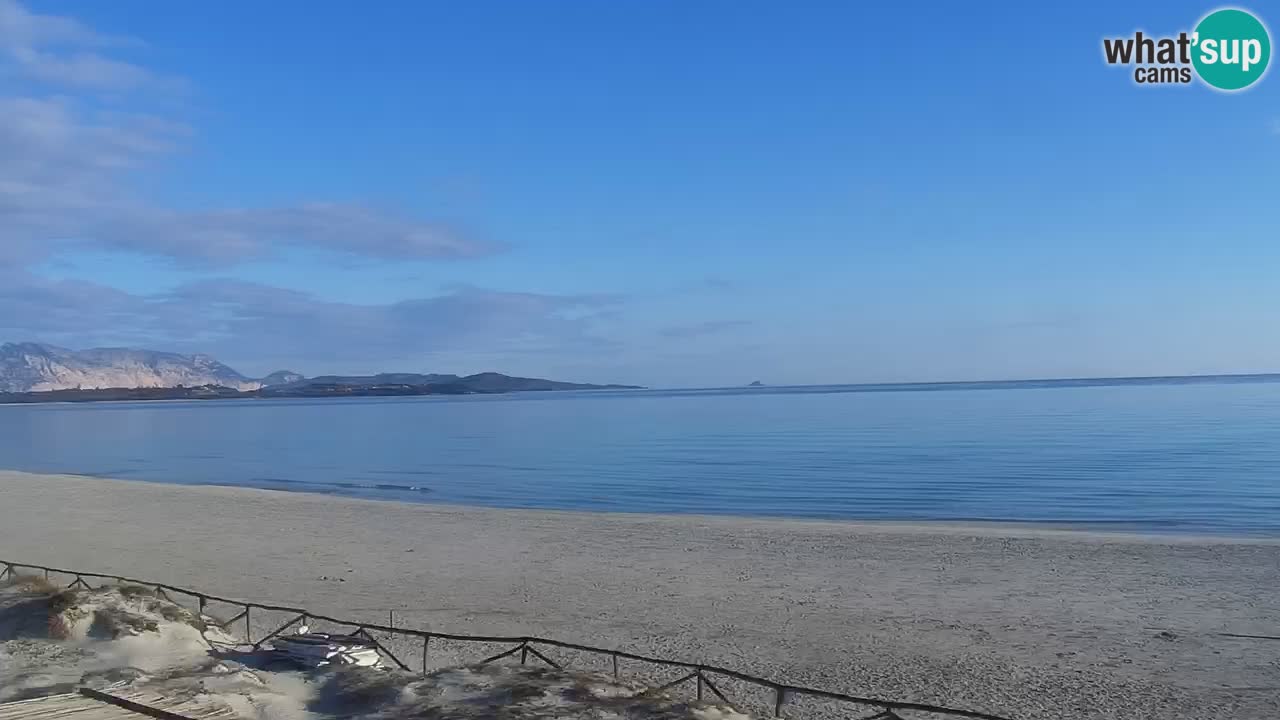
(81, 70)
(65, 179)
(20, 27)
(227, 237)
(63, 52)
(707, 285)
(717, 283)
(229, 316)
(710, 327)
(68, 168)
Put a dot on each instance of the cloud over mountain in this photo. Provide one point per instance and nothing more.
(228, 316)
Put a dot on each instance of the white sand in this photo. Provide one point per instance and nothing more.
(1027, 623)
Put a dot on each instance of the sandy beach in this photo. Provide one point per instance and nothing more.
(1025, 622)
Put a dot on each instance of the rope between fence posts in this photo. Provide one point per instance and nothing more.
(780, 689)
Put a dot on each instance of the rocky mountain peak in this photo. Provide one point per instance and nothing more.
(31, 366)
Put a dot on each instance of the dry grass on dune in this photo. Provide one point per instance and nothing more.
(108, 612)
(500, 692)
(54, 639)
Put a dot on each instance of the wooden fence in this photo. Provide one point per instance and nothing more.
(703, 678)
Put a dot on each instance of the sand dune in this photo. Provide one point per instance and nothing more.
(128, 640)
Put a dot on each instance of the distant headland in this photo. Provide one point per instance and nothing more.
(34, 372)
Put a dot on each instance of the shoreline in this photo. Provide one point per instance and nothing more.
(1109, 530)
(1036, 624)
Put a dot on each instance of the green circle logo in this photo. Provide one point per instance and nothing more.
(1232, 49)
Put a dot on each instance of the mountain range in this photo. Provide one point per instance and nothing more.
(37, 367)
(405, 383)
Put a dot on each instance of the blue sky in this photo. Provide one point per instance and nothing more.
(666, 193)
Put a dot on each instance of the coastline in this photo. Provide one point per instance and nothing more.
(1028, 622)
(1118, 530)
(1112, 531)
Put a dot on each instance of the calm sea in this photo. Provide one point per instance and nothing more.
(1157, 456)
